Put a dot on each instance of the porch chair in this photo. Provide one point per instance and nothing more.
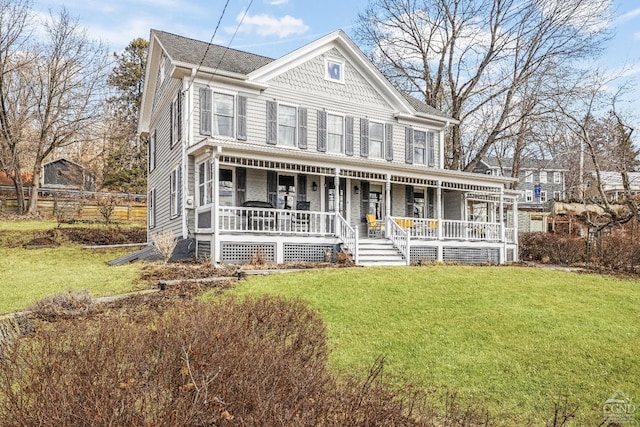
(302, 220)
(374, 226)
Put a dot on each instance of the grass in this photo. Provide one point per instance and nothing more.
(507, 338)
(27, 275)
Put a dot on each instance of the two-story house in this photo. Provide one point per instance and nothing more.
(295, 157)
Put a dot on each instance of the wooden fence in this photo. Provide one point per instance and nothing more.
(79, 210)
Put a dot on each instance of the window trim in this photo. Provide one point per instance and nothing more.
(426, 137)
(201, 187)
(528, 196)
(152, 150)
(382, 141)
(557, 177)
(332, 61)
(296, 137)
(540, 175)
(528, 176)
(151, 208)
(174, 192)
(176, 120)
(212, 114)
(543, 196)
(342, 141)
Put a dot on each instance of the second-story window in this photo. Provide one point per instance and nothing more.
(556, 178)
(287, 125)
(376, 140)
(419, 147)
(528, 176)
(217, 114)
(223, 114)
(335, 133)
(543, 177)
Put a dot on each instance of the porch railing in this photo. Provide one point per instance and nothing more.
(427, 229)
(276, 221)
(510, 235)
(400, 237)
(348, 235)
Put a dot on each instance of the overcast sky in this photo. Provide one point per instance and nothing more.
(276, 27)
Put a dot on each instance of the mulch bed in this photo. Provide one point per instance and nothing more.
(105, 236)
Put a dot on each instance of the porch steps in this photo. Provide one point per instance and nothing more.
(378, 252)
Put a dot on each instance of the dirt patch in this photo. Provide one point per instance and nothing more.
(104, 236)
(152, 273)
(41, 242)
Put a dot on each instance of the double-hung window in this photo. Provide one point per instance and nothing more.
(223, 114)
(376, 140)
(556, 177)
(528, 176)
(420, 147)
(176, 120)
(151, 208)
(287, 123)
(543, 196)
(528, 195)
(217, 113)
(543, 177)
(335, 133)
(175, 181)
(205, 183)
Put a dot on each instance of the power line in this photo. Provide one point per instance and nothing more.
(215, 31)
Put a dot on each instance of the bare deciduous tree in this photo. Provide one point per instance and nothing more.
(69, 90)
(480, 60)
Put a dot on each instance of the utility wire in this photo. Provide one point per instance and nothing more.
(215, 31)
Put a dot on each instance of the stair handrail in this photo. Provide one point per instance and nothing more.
(400, 238)
(348, 235)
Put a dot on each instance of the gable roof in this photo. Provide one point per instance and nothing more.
(190, 51)
(257, 69)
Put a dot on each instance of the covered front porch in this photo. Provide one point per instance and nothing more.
(285, 211)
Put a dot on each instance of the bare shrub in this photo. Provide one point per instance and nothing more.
(553, 248)
(106, 207)
(165, 242)
(240, 362)
(618, 251)
(64, 305)
(258, 258)
(343, 257)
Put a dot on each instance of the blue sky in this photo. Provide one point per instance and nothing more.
(276, 27)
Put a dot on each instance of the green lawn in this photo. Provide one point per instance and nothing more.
(27, 275)
(508, 338)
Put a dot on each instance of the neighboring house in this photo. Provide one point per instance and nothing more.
(63, 174)
(613, 186)
(539, 182)
(293, 158)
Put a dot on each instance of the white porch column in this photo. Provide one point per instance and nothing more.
(439, 216)
(503, 250)
(336, 196)
(516, 256)
(387, 203)
(215, 220)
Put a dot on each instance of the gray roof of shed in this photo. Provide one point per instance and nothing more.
(191, 51)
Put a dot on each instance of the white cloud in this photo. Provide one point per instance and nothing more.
(267, 25)
(278, 2)
(636, 36)
(629, 15)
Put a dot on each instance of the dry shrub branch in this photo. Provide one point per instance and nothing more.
(255, 362)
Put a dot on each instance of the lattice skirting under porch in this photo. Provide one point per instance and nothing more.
(471, 255)
(307, 253)
(423, 253)
(242, 253)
